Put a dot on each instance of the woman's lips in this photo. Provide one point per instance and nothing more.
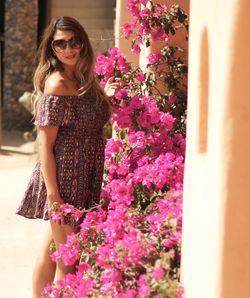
(70, 57)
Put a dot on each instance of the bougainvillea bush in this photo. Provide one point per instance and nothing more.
(130, 245)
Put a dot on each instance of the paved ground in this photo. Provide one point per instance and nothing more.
(20, 238)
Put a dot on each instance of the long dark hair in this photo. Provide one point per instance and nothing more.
(48, 62)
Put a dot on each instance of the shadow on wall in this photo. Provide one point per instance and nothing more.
(204, 81)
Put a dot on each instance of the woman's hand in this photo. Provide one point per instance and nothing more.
(55, 214)
(112, 85)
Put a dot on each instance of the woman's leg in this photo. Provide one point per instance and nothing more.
(60, 233)
(45, 268)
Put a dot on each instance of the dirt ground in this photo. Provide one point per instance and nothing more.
(20, 237)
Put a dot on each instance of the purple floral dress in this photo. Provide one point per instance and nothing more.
(78, 149)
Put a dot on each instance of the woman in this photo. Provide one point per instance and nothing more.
(71, 111)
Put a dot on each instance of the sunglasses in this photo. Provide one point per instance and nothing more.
(59, 45)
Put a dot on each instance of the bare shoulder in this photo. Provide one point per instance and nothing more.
(55, 85)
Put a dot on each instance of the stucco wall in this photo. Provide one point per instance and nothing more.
(216, 239)
(19, 55)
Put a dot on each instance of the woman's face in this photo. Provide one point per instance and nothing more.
(66, 47)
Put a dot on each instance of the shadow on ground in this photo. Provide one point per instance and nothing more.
(15, 151)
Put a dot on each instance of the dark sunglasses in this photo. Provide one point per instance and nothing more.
(59, 45)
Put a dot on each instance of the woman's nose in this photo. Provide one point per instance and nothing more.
(68, 47)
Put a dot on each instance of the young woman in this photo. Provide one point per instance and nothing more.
(71, 111)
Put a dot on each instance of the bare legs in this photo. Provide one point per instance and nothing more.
(45, 269)
(60, 234)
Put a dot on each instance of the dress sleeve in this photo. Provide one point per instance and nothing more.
(51, 111)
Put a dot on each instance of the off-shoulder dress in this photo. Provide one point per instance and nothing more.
(79, 153)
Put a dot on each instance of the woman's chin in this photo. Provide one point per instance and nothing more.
(70, 62)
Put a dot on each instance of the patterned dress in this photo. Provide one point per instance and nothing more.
(78, 150)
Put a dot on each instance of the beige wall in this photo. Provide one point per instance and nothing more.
(123, 16)
(216, 238)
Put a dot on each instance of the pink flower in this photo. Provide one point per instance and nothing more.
(115, 53)
(83, 267)
(67, 208)
(113, 147)
(138, 138)
(136, 48)
(144, 2)
(167, 121)
(154, 57)
(55, 216)
(77, 214)
(130, 294)
(48, 288)
(69, 254)
(122, 65)
(180, 294)
(159, 34)
(111, 276)
(127, 29)
(56, 256)
(122, 93)
(144, 289)
(145, 12)
(158, 273)
(160, 10)
(135, 11)
(140, 76)
(84, 287)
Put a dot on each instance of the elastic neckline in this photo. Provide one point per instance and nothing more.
(54, 95)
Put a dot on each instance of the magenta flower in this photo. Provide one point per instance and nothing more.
(113, 147)
(136, 48)
(144, 289)
(144, 2)
(55, 216)
(67, 208)
(128, 294)
(132, 7)
(154, 57)
(159, 34)
(111, 276)
(140, 76)
(160, 10)
(77, 214)
(127, 29)
(158, 273)
(145, 12)
(121, 94)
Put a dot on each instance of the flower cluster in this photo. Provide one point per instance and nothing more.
(125, 252)
(152, 22)
(65, 211)
(130, 246)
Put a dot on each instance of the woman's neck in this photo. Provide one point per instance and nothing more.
(69, 73)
